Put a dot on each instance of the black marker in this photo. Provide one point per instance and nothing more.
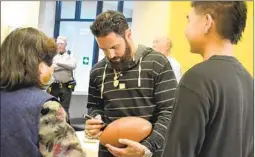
(87, 116)
(90, 117)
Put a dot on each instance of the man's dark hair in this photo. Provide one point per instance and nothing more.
(21, 53)
(108, 22)
(229, 16)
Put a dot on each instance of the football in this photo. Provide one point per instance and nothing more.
(132, 128)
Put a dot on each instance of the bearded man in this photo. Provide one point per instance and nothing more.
(132, 80)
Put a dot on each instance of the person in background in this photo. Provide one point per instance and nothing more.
(132, 80)
(63, 63)
(214, 109)
(164, 45)
(33, 123)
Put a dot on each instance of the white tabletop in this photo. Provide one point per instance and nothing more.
(89, 146)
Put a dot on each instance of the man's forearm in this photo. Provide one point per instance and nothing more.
(57, 68)
(156, 140)
(69, 66)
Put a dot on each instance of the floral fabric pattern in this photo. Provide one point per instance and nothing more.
(57, 137)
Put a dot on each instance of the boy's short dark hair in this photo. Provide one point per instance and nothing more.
(229, 16)
(108, 22)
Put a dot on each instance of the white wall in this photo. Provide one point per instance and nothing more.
(16, 14)
(37, 14)
(150, 19)
(47, 17)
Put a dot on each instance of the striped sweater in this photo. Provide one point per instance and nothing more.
(145, 90)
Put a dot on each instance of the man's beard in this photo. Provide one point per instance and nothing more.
(123, 62)
(61, 51)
